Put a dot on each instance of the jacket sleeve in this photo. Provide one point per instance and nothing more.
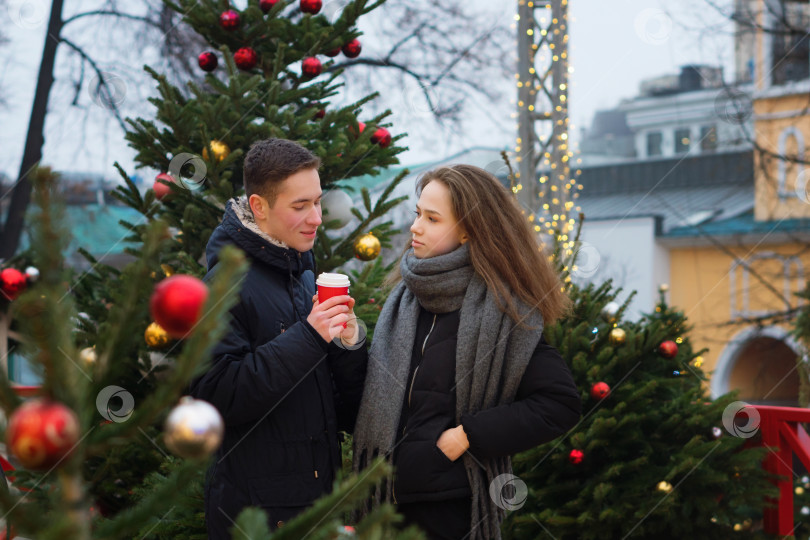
(546, 406)
(348, 369)
(245, 384)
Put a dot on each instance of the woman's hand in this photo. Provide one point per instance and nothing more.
(453, 443)
(352, 333)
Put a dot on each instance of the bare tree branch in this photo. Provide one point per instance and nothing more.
(102, 77)
(441, 47)
(113, 13)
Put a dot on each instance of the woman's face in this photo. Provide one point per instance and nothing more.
(435, 230)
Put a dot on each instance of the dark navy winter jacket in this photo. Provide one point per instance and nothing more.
(283, 391)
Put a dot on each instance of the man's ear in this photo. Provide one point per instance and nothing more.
(259, 206)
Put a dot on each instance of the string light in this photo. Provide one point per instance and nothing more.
(564, 186)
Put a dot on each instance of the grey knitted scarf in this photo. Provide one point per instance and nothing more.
(491, 355)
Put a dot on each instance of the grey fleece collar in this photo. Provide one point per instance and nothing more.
(243, 212)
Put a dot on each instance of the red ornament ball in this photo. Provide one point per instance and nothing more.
(12, 283)
(381, 137)
(361, 126)
(600, 390)
(321, 111)
(229, 20)
(245, 58)
(311, 6)
(267, 5)
(668, 349)
(207, 61)
(352, 48)
(41, 433)
(177, 302)
(576, 456)
(161, 190)
(333, 52)
(311, 66)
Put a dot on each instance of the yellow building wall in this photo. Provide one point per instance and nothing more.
(777, 111)
(701, 286)
(782, 134)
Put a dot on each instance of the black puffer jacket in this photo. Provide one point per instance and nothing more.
(283, 391)
(546, 406)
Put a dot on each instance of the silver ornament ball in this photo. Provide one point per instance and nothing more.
(610, 311)
(337, 204)
(32, 274)
(193, 429)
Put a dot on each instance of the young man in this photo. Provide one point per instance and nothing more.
(283, 386)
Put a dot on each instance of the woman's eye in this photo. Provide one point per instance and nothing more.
(433, 220)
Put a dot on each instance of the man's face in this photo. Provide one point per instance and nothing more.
(296, 214)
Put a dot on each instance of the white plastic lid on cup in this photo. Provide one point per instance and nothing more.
(332, 280)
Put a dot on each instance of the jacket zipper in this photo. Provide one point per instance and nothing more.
(410, 390)
(415, 371)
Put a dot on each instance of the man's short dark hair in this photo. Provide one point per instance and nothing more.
(271, 161)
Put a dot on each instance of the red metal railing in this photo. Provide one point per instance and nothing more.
(782, 431)
(25, 391)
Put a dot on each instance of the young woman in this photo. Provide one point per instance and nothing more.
(459, 376)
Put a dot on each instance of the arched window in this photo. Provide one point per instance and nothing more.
(761, 364)
(739, 297)
(785, 193)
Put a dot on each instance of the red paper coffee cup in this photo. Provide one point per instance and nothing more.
(330, 285)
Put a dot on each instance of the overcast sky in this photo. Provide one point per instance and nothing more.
(614, 45)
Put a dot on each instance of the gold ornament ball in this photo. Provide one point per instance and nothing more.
(155, 336)
(220, 149)
(663, 287)
(367, 247)
(617, 336)
(88, 356)
(193, 429)
(664, 486)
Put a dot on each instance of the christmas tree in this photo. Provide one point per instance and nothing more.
(268, 76)
(80, 422)
(93, 337)
(651, 456)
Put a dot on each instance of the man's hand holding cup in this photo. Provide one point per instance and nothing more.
(332, 312)
(329, 316)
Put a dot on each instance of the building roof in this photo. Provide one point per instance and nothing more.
(95, 228)
(705, 170)
(742, 223)
(680, 193)
(481, 156)
(693, 199)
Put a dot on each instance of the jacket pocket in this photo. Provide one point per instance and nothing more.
(442, 454)
(223, 503)
(421, 467)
